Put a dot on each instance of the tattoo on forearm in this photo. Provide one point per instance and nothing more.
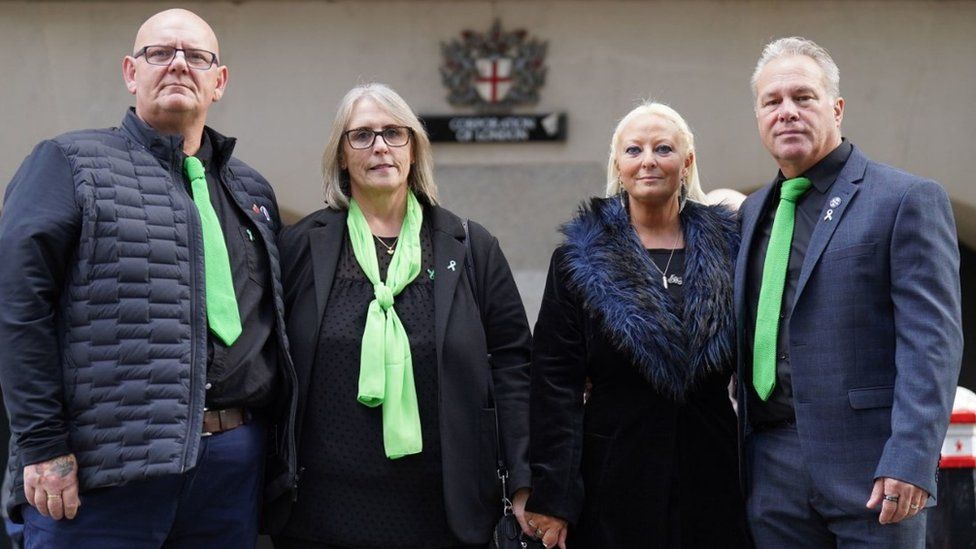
(63, 466)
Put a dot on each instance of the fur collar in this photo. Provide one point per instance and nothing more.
(610, 269)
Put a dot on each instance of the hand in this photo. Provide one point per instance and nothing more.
(553, 530)
(518, 507)
(911, 500)
(52, 487)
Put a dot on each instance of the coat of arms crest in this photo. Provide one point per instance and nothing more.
(493, 70)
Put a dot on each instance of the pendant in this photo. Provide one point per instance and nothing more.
(664, 280)
(389, 251)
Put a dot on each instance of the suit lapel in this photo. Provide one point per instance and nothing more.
(325, 243)
(844, 188)
(448, 242)
(748, 229)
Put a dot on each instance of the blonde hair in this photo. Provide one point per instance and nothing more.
(335, 184)
(692, 190)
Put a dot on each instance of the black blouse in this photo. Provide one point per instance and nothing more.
(351, 494)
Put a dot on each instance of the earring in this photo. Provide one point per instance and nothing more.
(683, 196)
(622, 196)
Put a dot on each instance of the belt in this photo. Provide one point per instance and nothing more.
(218, 421)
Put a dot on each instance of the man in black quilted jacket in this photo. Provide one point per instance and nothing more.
(145, 366)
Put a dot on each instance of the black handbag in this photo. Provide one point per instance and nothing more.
(508, 534)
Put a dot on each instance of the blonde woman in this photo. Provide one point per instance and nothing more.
(639, 301)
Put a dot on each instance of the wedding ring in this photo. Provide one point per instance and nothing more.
(891, 498)
(53, 496)
(539, 533)
(913, 507)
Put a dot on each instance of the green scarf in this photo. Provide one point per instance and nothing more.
(385, 364)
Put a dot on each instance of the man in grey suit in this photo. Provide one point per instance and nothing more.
(850, 340)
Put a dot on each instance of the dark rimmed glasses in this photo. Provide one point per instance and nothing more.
(200, 60)
(363, 138)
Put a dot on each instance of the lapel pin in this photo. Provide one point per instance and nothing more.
(829, 216)
(452, 265)
(834, 202)
(430, 273)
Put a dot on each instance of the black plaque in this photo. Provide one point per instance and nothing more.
(493, 128)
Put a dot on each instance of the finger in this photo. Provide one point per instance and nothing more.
(904, 508)
(40, 502)
(876, 493)
(71, 501)
(550, 537)
(562, 538)
(55, 506)
(527, 528)
(29, 494)
(889, 509)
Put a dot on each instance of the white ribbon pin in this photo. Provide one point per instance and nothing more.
(829, 216)
(452, 265)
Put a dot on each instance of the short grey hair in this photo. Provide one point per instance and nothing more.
(686, 145)
(797, 45)
(336, 180)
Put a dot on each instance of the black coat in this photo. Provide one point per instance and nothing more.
(650, 460)
(467, 377)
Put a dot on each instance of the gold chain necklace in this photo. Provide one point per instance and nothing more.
(390, 248)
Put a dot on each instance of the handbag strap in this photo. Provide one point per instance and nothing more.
(502, 469)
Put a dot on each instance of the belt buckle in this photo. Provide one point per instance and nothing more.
(205, 433)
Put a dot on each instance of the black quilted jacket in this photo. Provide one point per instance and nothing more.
(102, 320)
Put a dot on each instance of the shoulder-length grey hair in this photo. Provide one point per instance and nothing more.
(693, 190)
(336, 180)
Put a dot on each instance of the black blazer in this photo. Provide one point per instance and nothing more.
(475, 362)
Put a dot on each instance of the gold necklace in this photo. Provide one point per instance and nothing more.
(390, 248)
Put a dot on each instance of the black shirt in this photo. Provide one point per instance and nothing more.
(244, 373)
(809, 210)
(351, 494)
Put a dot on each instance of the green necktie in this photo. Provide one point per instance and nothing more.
(222, 314)
(773, 281)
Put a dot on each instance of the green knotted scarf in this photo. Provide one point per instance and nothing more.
(385, 364)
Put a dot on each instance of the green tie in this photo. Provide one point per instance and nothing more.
(222, 314)
(773, 281)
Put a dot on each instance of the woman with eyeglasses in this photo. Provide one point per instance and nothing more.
(639, 302)
(411, 347)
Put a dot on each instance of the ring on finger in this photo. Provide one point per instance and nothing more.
(539, 533)
(914, 507)
(53, 496)
(891, 498)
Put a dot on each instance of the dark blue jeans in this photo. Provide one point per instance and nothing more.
(214, 505)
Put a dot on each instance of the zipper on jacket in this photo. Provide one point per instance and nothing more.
(192, 222)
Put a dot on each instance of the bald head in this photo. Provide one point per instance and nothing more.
(174, 89)
(176, 22)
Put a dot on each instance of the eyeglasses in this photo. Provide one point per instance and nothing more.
(200, 60)
(363, 138)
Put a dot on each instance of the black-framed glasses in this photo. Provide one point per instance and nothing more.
(164, 55)
(363, 138)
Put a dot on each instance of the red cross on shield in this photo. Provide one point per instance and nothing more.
(494, 78)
